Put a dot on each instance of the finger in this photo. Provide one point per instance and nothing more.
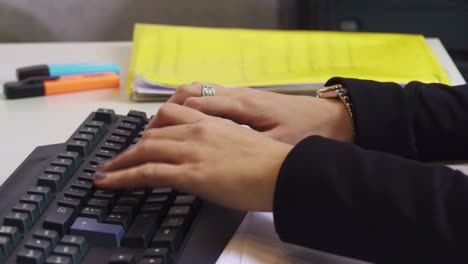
(173, 114)
(145, 151)
(220, 106)
(142, 176)
(195, 90)
(176, 133)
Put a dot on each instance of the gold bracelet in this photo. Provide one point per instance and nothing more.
(338, 92)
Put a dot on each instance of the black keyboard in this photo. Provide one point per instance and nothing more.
(51, 212)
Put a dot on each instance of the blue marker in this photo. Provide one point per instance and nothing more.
(57, 70)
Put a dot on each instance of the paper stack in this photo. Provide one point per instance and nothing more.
(164, 57)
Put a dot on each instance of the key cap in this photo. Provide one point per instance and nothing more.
(76, 241)
(170, 238)
(90, 212)
(20, 220)
(76, 193)
(6, 245)
(157, 199)
(152, 208)
(86, 176)
(105, 194)
(55, 259)
(180, 211)
(99, 203)
(79, 146)
(30, 209)
(62, 171)
(45, 234)
(75, 204)
(150, 261)
(38, 200)
(130, 201)
(59, 219)
(122, 259)
(29, 256)
(42, 245)
(175, 222)
(140, 232)
(97, 124)
(106, 153)
(44, 191)
(53, 181)
(122, 133)
(75, 156)
(116, 219)
(89, 138)
(104, 115)
(138, 114)
(11, 232)
(128, 126)
(98, 234)
(92, 131)
(112, 146)
(123, 209)
(67, 163)
(133, 120)
(68, 251)
(82, 185)
(162, 253)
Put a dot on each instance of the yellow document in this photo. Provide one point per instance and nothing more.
(173, 55)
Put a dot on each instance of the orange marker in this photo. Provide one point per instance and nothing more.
(40, 86)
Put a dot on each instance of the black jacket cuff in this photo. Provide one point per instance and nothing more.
(382, 116)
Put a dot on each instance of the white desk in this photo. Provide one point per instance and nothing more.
(31, 122)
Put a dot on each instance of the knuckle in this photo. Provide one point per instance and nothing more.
(144, 172)
(184, 89)
(246, 100)
(200, 129)
(164, 111)
(193, 102)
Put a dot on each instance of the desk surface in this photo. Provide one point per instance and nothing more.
(32, 122)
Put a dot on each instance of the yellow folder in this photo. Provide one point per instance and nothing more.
(167, 56)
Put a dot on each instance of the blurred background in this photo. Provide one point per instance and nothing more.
(109, 20)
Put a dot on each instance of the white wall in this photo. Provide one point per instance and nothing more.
(94, 20)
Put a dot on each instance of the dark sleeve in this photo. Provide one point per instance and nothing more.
(371, 205)
(421, 121)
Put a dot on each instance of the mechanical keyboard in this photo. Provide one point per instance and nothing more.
(50, 211)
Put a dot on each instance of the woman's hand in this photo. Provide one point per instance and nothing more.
(287, 118)
(210, 157)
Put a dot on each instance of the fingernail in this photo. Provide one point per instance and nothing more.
(99, 176)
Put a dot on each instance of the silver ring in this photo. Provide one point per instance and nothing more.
(208, 89)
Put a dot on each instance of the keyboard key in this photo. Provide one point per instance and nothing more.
(37, 200)
(180, 211)
(29, 209)
(77, 193)
(162, 253)
(67, 163)
(82, 185)
(150, 261)
(99, 203)
(99, 234)
(170, 238)
(122, 259)
(140, 232)
(79, 146)
(90, 212)
(86, 176)
(30, 256)
(46, 234)
(116, 219)
(175, 222)
(105, 115)
(122, 133)
(76, 241)
(6, 245)
(105, 194)
(166, 191)
(138, 114)
(112, 146)
(130, 201)
(89, 138)
(75, 204)
(75, 156)
(97, 124)
(128, 126)
(11, 232)
(106, 153)
(55, 259)
(68, 251)
(152, 208)
(19, 220)
(157, 199)
(44, 191)
(59, 219)
(133, 120)
(42, 245)
(62, 171)
(124, 210)
(53, 181)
